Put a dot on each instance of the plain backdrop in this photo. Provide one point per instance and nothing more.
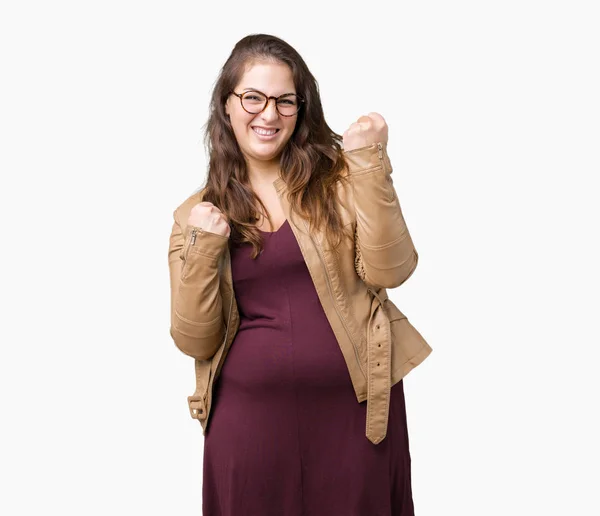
(493, 114)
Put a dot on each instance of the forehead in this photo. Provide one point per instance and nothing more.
(270, 78)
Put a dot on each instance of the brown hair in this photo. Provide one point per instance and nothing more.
(311, 162)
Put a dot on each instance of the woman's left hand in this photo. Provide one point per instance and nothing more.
(367, 130)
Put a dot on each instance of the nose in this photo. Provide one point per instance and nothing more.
(270, 111)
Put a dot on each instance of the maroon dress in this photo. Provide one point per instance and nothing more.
(286, 435)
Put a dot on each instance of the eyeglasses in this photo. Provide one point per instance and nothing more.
(255, 102)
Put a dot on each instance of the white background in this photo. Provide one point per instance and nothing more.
(493, 110)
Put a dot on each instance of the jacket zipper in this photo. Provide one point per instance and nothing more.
(190, 243)
(337, 308)
(217, 368)
(361, 148)
(228, 269)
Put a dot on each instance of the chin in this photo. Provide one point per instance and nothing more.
(265, 149)
(266, 157)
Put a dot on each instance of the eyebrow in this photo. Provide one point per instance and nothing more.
(256, 89)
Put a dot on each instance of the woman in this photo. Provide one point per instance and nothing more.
(278, 274)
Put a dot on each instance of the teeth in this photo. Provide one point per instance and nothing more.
(264, 132)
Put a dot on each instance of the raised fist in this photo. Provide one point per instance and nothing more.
(367, 130)
(207, 216)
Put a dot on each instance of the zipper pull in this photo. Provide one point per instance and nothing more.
(189, 244)
(380, 147)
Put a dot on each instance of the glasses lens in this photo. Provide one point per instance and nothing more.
(253, 102)
(288, 104)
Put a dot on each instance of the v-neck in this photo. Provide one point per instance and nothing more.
(276, 231)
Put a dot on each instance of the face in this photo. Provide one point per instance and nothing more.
(271, 79)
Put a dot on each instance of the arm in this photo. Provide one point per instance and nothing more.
(197, 324)
(386, 256)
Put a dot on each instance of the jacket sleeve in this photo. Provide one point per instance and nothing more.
(197, 323)
(385, 254)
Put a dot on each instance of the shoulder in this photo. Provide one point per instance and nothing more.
(182, 211)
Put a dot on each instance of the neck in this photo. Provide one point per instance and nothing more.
(261, 173)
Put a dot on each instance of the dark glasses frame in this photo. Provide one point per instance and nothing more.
(241, 97)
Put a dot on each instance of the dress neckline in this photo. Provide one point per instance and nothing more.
(276, 231)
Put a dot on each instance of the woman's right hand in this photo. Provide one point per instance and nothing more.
(208, 217)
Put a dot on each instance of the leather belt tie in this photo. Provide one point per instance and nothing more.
(379, 360)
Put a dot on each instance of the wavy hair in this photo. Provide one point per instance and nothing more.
(311, 163)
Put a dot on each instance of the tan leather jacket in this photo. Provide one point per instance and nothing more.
(379, 344)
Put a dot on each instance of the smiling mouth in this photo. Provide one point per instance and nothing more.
(264, 132)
